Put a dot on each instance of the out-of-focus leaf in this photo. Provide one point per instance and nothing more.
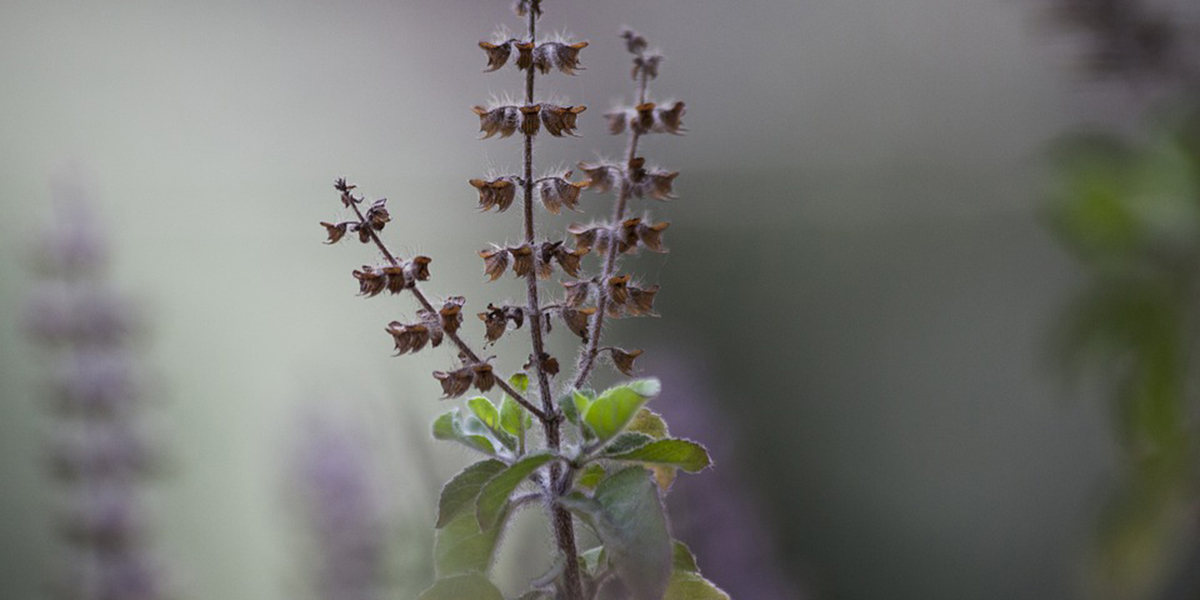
(460, 492)
(462, 547)
(462, 587)
(684, 559)
(493, 497)
(686, 585)
(591, 476)
(449, 427)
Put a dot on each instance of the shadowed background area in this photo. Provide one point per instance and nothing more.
(856, 304)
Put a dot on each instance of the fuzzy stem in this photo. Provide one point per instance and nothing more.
(424, 302)
(587, 356)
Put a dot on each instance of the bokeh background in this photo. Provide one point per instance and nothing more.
(859, 303)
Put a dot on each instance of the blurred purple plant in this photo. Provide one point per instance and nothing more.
(98, 450)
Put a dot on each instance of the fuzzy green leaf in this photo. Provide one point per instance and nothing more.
(684, 559)
(627, 442)
(474, 427)
(627, 515)
(494, 495)
(485, 410)
(685, 585)
(519, 381)
(462, 547)
(594, 560)
(473, 586)
(615, 408)
(514, 419)
(460, 492)
(591, 476)
(684, 454)
(650, 423)
(449, 427)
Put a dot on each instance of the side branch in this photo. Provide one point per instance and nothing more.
(454, 337)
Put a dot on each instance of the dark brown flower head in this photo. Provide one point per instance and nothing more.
(670, 120)
(498, 193)
(656, 184)
(560, 120)
(545, 256)
(451, 313)
(408, 338)
(524, 55)
(455, 383)
(397, 279)
(577, 320)
(530, 121)
(377, 215)
(577, 292)
(496, 320)
(643, 121)
(335, 231)
(346, 190)
(623, 359)
(433, 322)
(651, 235)
(647, 65)
(522, 259)
(524, 7)
(502, 119)
(570, 260)
(558, 191)
(495, 262)
(548, 364)
(642, 301)
(601, 178)
(635, 43)
(485, 376)
(497, 55)
(370, 281)
(418, 268)
(364, 232)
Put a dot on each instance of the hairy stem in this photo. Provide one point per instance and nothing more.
(454, 337)
(587, 356)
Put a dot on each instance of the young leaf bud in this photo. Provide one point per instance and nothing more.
(497, 55)
(560, 120)
(498, 193)
(495, 262)
(623, 359)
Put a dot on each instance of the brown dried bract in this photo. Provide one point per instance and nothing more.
(623, 359)
(524, 55)
(577, 292)
(498, 193)
(587, 236)
(377, 215)
(522, 259)
(656, 184)
(560, 120)
(495, 262)
(432, 321)
(671, 120)
(643, 122)
(397, 280)
(370, 281)
(628, 235)
(570, 260)
(634, 43)
(485, 376)
(556, 192)
(545, 256)
(616, 121)
(496, 320)
(455, 383)
(450, 316)
(530, 121)
(557, 54)
(651, 235)
(502, 119)
(335, 231)
(497, 55)
(548, 364)
(418, 268)
(577, 320)
(642, 301)
(408, 338)
(647, 65)
(601, 178)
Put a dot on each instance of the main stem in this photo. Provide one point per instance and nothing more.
(564, 527)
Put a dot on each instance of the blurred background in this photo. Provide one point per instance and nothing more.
(890, 255)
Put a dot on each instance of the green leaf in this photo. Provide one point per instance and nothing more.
(684, 454)
(684, 559)
(591, 476)
(494, 495)
(650, 423)
(617, 406)
(686, 585)
(514, 419)
(569, 408)
(485, 410)
(460, 492)
(594, 560)
(462, 547)
(627, 442)
(627, 515)
(449, 426)
(474, 427)
(519, 381)
(536, 595)
(473, 586)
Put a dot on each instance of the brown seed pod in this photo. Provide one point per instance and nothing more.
(651, 235)
(570, 260)
(548, 364)
(560, 120)
(577, 292)
(418, 268)
(644, 121)
(623, 359)
(497, 55)
(656, 184)
(455, 383)
(397, 280)
(433, 322)
(546, 252)
(498, 193)
(495, 262)
(558, 191)
(628, 235)
(586, 236)
(450, 316)
(377, 215)
(408, 338)
(616, 121)
(601, 178)
(670, 120)
(577, 320)
(522, 259)
(364, 232)
(618, 289)
(335, 232)
(566, 56)
(485, 376)
(502, 119)
(370, 281)
(642, 301)
(530, 121)
(647, 65)
(524, 55)
(635, 43)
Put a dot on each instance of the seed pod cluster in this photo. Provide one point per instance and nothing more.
(557, 192)
(544, 56)
(508, 119)
(497, 318)
(455, 383)
(629, 234)
(526, 259)
(648, 118)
